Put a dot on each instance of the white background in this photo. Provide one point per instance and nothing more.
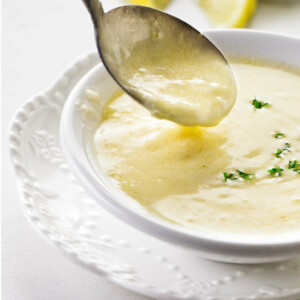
(39, 39)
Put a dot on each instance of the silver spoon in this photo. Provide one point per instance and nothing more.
(164, 64)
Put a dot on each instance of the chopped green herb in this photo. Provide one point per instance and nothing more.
(245, 176)
(229, 177)
(295, 166)
(279, 135)
(259, 104)
(279, 152)
(287, 147)
(292, 164)
(275, 172)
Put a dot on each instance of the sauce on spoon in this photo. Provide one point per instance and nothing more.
(164, 64)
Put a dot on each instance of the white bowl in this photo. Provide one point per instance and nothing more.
(76, 139)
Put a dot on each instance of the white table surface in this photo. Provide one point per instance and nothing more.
(40, 38)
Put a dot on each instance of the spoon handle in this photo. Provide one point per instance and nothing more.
(95, 9)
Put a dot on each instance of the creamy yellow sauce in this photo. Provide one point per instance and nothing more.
(188, 85)
(176, 172)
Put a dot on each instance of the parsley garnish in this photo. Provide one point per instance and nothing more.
(279, 152)
(246, 176)
(279, 135)
(292, 164)
(287, 147)
(295, 166)
(259, 104)
(229, 177)
(232, 176)
(275, 172)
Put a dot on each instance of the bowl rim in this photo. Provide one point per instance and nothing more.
(162, 229)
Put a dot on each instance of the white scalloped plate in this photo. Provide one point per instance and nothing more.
(61, 210)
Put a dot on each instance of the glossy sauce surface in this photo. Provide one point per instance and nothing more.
(176, 172)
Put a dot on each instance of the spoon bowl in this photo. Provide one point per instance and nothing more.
(165, 64)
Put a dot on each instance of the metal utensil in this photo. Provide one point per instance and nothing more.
(143, 34)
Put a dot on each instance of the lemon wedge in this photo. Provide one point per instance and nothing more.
(160, 4)
(228, 13)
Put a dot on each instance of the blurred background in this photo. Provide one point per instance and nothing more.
(39, 40)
